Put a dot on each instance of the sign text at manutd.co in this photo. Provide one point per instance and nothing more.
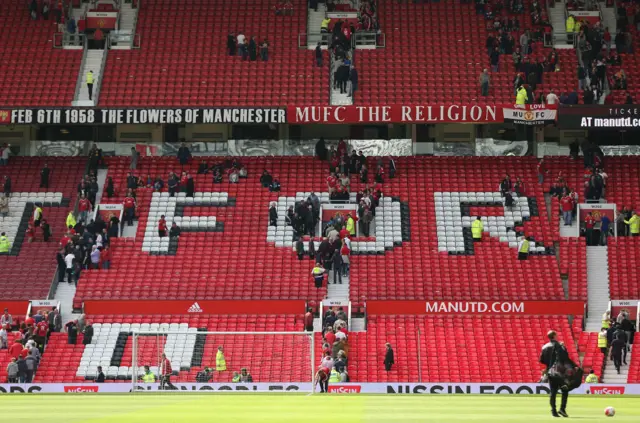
(147, 116)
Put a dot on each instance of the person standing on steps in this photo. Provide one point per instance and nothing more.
(90, 81)
(617, 347)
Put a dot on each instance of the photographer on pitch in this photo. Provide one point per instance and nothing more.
(562, 374)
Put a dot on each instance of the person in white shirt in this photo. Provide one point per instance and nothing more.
(3, 338)
(68, 260)
(552, 98)
(240, 39)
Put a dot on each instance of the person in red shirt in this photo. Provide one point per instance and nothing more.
(40, 333)
(15, 349)
(129, 204)
(165, 373)
(322, 378)
(589, 223)
(566, 205)
(84, 205)
(105, 257)
(184, 179)
(30, 233)
(332, 181)
(329, 336)
(308, 321)
(162, 227)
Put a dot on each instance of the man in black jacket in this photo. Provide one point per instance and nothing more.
(388, 357)
(44, 176)
(554, 355)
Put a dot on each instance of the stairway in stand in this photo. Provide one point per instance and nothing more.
(558, 21)
(93, 61)
(597, 286)
(314, 22)
(610, 374)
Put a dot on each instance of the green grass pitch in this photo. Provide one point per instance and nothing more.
(296, 408)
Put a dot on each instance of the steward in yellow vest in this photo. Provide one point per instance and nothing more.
(5, 245)
(477, 227)
(221, 363)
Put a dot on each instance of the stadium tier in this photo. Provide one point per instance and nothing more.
(32, 72)
(184, 61)
(623, 267)
(435, 52)
(422, 267)
(38, 257)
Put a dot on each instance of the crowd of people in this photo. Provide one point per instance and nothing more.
(616, 337)
(335, 350)
(25, 340)
(247, 47)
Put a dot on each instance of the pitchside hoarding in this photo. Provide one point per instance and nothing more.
(339, 388)
(476, 307)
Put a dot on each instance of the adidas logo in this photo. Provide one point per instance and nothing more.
(195, 308)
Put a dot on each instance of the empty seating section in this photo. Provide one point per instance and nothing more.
(183, 60)
(262, 355)
(592, 357)
(38, 257)
(623, 184)
(475, 349)
(630, 61)
(624, 276)
(634, 365)
(435, 52)
(32, 72)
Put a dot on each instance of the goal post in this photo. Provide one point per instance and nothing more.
(248, 361)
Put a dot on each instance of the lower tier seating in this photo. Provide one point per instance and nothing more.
(624, 277)
(266, 357)
(465, 349)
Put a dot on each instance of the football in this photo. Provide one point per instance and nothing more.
(609, 411)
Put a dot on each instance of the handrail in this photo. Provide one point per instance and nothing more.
(331, 82)
(82, 63)
(137, 37)
(302, 45)
(103, 64)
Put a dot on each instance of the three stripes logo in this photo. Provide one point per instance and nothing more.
(195, 308)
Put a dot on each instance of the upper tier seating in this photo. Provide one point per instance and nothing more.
(249, 267)
(630, 62)
(262, 355)
(32, 72)
(38, 257)
(183, 59)
(476, 349)
(435, 53)
(634, 365)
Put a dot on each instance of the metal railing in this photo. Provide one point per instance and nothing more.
(82, 63)
(64, 39)
(369, 39)
(98, 85)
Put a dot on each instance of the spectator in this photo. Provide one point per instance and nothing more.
(266, 179)
(32, 366)
(7, 180)
(148, 376)
(174, 232)
(165, 372)
(231, 44)
(162, 227)
(72, 332)
(566, 205)
(172, 184)
(605, 224)
(22, 368)
(617, 347)
(44, 176)
(221, 362)
(275, 186)
(95, 257)
(105, 257)
(46, 230)
(69, 261)
(88, 334)
(523, 248)
(318, 55)
(264, 50)
(484, 83)
(84, 206)
(633, 222)
(4, 338)
(4, 205)
(129, 204)
(204, 376)
(388, 357)
(100, 374)
(318, 274)
(322, 378)
(552, 98)
(337, 265)
(240, 38)
(55, 320)
(591, 378)
(184, 155)
(589, 224)
(12, 371)
(353, 77)
(273, 214)
(253, 49)
(477, 227)
(582, 76)
(6, 318)
(629, 99)
(308, 320)
(245, 377)
(602, 341)
(327, 361)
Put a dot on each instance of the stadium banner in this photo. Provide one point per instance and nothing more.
(102, 20)
(530, 114)
(399, 388)
(475, 307)
(143, 116)
(599, 117)
(586, 15)
(194, 306)
(450, 113)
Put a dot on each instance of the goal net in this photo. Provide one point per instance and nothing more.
(185, 359)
